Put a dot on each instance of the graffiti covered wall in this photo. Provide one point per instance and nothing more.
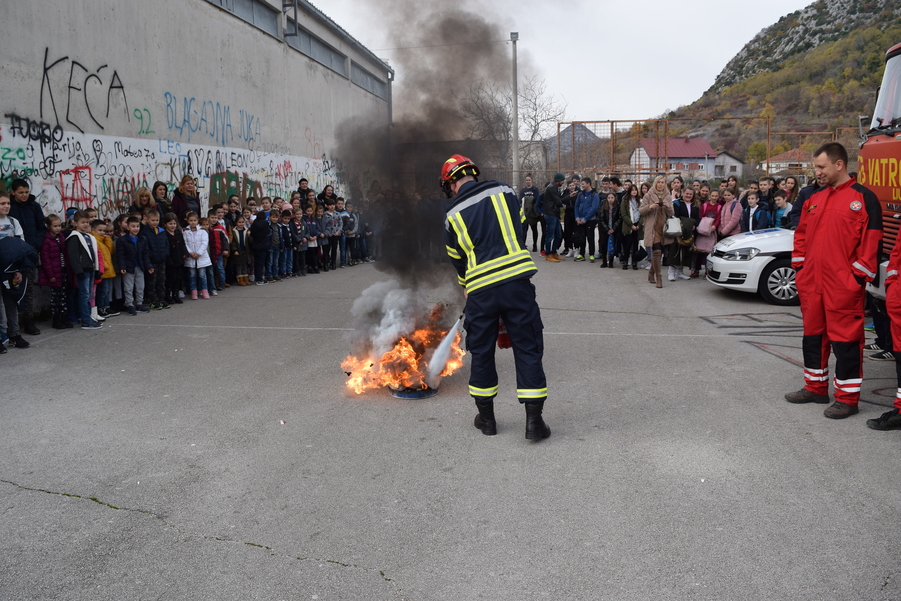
(122, 98)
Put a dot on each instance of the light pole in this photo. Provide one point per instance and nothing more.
(514, 35)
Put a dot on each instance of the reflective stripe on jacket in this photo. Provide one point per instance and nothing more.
(485, 238)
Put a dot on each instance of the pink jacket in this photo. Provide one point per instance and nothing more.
(53, 253)
(730, 219)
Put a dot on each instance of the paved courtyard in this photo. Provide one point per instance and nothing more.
(148, 460)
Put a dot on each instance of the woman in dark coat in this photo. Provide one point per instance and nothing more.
(185, 199)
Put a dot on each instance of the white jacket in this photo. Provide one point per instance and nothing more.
(197, 242)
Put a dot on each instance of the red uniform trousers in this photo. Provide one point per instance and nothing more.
(893, 308)
(834, 318)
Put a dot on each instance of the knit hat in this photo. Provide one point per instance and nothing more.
(559, 177)
(70, 212)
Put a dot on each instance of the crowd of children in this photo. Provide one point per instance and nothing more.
(162, 250)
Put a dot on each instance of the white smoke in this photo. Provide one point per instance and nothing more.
(383, 314)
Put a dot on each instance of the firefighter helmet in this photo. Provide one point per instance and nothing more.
(454, 168)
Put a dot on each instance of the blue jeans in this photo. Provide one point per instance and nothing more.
(210, 280)
(554, 234)
(197, 278)
(344, 250)
(220, 269)
(272, 263)
(85, 282)
(101, 298)
(286, 261)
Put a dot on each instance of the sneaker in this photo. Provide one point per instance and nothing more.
(872, 347)
(838, 410)
(3, 350)
(597, 255)
(805, 396)
(213, 292)
(131, 311)
(579, 258)
(92, 325)
(181, 294)
(259, 282)
(19, 342)
(156, 306)
(890, 420)
(142, 309)
(882, 356)
(680, 275)
(569, 253)
(591, 258)
(869, 327)
(109, 312)
(543, 254)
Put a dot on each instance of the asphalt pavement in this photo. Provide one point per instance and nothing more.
(211, 452)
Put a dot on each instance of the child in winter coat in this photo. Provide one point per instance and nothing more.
(196, 243)
(159, 250)
(239, 251)
(84, 262)
(133, 260)
(175, 261)
(100, 229)
(301, 238)
(754, 217)
(311, 225)
(53, 270)
(730, 214)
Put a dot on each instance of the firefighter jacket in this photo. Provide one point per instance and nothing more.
(838, 238)
(484, 236)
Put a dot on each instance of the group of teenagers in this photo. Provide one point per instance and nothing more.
(628, 222)
(162, 249)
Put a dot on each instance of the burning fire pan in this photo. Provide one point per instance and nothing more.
(412, 393)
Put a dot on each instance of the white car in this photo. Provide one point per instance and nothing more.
(756, 262)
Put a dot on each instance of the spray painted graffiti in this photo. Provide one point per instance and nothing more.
(73, 169)
(209, 121)
(89, 86)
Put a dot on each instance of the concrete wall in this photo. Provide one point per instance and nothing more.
(103, 96)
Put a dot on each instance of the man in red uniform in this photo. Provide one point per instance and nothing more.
(837, 245)
(891, 420)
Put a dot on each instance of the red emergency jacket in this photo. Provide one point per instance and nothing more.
(839, 238)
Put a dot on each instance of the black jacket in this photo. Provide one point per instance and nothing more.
(31, 217)
(260, 234)
(551, 200)
(683, 209)
(159, 245)
(803, 194)
(609, 218)
(130, 255)
(177, 249)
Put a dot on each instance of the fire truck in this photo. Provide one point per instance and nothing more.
(879, 159)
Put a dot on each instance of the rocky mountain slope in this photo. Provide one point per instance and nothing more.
(822, 22)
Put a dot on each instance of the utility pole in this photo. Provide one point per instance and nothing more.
(514, 36)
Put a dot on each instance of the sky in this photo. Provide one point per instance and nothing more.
(607, 60)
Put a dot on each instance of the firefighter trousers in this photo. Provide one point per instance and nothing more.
(893, 308)
(514, 301)
(834, 319)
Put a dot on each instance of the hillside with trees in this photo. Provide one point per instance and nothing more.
(817, 90)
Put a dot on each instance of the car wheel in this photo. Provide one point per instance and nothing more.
(777, 283)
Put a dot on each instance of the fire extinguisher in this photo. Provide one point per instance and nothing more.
(503, 338)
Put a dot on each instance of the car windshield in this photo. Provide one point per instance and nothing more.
(888, 105)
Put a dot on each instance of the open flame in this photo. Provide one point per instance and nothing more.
(406, 364)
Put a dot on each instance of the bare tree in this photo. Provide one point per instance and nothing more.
(488, 107)
(539, 114)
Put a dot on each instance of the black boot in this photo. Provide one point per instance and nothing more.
(536, 429)
(485, 419)
(60, 322)
(29, 328)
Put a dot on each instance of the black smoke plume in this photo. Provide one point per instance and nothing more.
(441, 50)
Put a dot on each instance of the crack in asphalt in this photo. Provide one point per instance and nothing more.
(272, 551)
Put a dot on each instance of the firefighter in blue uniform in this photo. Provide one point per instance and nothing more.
(486, 243)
